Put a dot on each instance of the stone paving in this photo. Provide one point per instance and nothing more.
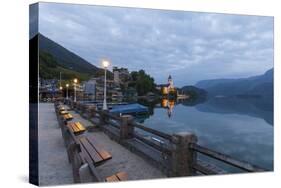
(53, 163)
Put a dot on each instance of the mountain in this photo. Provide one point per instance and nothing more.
(261, 85)
(54, 58)
(65, 57)
(255, 107)
(197, 95)
(193, 89)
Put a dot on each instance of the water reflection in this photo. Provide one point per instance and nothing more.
(235, 126)
(254, 107)
(169, 105)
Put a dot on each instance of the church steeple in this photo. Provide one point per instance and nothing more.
(169, 78)
(170, 82)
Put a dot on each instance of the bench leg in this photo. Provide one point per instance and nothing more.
(74, 158)
(71, 151)
(64, 136)
(85, 174)
(75, 170)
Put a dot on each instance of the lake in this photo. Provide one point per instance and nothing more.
(241, 128)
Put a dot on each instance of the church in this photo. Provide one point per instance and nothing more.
(168, 90)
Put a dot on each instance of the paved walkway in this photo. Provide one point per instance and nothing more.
(122, 159)
(54, 167)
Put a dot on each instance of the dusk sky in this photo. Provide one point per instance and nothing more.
(191, 46)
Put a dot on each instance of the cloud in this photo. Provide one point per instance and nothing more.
(188, 45)
(33, 20)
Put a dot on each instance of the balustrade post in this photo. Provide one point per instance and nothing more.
(92, 112)
(103, 117)
(83, 109)
(71, 104)
(126, 130)
(74, 105)
(78, 107)
(183, 158)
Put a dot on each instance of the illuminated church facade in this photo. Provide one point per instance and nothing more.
(168, 90)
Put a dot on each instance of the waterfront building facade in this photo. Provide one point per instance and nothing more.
(168, 90)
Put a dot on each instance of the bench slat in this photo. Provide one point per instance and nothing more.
(103, 153)
(77, 128)
(112, 178)
(89, 150)
(80, 126)
(63, 112)
(122, 176)
(72, 128)
(67, 117)
(69, 127)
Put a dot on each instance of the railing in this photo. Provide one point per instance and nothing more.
(180, 150)
(226, 159)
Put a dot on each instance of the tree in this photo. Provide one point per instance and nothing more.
(143, 82)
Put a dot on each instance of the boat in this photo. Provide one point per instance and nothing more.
(132, 109)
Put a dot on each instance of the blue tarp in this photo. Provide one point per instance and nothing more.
(129, 108)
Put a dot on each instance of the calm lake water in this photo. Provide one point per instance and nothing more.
(242, 128)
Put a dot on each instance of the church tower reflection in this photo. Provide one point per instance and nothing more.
(169, 105)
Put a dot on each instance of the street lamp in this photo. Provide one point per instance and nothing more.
(67, 85)
(105, 64)
(61, 91)
(75, 82)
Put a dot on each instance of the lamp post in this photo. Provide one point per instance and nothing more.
(61, 91)
(67, 85)
(105, 64)
(60, 79)
(75, 82)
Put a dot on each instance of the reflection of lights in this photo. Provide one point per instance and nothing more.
(164, 103)
(169, 104)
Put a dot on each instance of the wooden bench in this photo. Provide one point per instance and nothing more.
(120, 176)
(76, 127)
(67, 117)
(86, 154)
(63, 119)
(91, 150)
(89, 173)
(59, 108)
(63, 112)
(89, 147)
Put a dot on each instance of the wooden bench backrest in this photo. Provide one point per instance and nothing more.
(76, 127)
(120, 176)
(88, 160)
(92, 151)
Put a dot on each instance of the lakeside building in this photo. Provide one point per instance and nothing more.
(48, 89)
(168, 90)
(169, 105)
(121, 75)
(90, 89)
(94, 89)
